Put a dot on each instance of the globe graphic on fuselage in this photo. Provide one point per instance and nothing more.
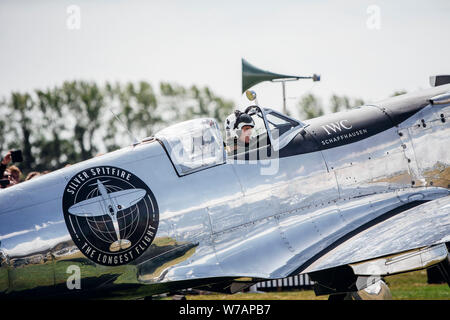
(102, 227)
(111, 214)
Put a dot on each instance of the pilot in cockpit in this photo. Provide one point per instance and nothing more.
(239, 127)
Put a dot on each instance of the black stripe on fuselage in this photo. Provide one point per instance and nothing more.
(353, 125)
(338, 129)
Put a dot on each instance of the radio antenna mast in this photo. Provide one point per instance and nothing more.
(135, 140)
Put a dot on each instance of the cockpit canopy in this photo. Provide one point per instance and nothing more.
(279, 127)
(280, 122)
(193, 145)
(198, 144)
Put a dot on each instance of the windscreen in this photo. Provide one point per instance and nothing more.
(193, 145)
(279, 122)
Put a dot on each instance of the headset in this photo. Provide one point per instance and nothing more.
(236, 121)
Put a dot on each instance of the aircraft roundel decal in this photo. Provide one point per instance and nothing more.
(111, 214)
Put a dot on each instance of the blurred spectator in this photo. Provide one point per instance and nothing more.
(32, 175)
(14, 174)
(4, 181)
(5, 161)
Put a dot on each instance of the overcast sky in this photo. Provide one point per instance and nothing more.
(202, 42)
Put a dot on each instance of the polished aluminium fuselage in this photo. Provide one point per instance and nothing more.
(228, 221)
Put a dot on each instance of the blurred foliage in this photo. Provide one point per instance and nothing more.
(398, 93)
(310, 107)
(77, 120)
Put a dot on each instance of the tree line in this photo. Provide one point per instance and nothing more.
(77, 120)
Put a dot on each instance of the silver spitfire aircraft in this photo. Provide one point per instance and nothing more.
(347, 198)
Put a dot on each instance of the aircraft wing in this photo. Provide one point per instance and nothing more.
(422, 227)
(88, 208)
(93, 207)
(262, 253)
(127, 198)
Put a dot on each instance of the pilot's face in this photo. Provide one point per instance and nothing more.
(246, 133)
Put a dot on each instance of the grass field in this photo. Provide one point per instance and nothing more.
(408, 286)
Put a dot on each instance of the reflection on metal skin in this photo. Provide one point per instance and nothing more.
(405, 231)
(407, 261)
(229, 220)
(4, 277)
(163, 256)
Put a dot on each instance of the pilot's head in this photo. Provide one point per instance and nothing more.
(244, 126)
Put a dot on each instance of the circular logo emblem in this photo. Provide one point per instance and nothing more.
(111, 214)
